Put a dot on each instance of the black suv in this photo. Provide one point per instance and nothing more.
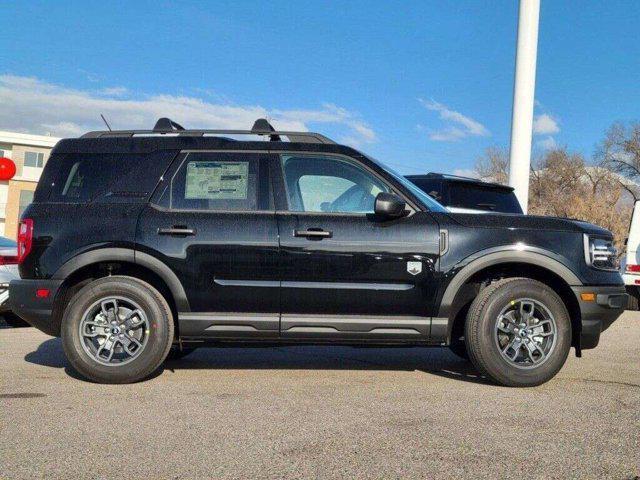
(467, 195)
(142, 244)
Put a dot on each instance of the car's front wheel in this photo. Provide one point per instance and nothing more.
(117, 330)
(518, 332)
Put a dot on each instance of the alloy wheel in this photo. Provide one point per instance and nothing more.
(114, 331)
(525, 333)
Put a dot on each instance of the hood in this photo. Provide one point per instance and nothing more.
(527, 222)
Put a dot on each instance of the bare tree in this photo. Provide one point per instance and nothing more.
(565, 186)
(620, 153)
(562, 184)
(493, 166)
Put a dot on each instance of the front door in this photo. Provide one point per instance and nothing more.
(345, 272)
(212, 221)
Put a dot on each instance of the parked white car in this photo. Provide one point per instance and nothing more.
(8, 272)
(631, 262)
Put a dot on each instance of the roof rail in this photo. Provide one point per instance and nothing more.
(166, 126)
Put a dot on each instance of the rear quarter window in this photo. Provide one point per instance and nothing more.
(108, 177)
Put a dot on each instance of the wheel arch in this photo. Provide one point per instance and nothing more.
(103, 262)
(483, 269)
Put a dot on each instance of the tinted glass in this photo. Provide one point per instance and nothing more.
(424, 199)
(220, 182)
(477, 197)
(89, 177)
(106, 178)
(431, 187)
(319, 183)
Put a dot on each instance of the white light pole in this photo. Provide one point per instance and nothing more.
(523, 96)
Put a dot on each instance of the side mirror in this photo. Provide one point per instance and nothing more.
(389, 205)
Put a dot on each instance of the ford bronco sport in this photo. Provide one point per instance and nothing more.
(141, 244)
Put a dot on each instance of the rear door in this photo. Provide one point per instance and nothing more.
(345, 273)
(213, 223)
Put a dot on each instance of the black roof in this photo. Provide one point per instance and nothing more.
(457, 178)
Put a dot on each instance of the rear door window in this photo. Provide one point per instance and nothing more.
(220, 181)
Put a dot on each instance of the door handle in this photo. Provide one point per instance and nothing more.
(175, 230)
(313, 233)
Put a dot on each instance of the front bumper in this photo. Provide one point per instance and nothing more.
(596, 316)
(37, 311)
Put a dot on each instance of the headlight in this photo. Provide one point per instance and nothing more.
(600, 253)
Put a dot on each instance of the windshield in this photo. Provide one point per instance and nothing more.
(426, 200)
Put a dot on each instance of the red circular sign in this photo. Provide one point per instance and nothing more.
(7, 168)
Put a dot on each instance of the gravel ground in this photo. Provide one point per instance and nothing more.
(319, 412)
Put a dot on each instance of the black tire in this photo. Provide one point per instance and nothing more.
(459, 349)
(176, 353)
(160, 331)
(480, 331)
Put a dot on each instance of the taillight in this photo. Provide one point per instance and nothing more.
(25, 238)
(632, 269)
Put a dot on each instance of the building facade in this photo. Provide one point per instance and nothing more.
(30, 154)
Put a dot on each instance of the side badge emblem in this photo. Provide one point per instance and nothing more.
(414, 268)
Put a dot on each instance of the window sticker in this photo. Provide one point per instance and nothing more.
(217, 180)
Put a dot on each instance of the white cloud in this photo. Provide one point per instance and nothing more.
(548, 143)
(35, 106)
(449, 134)
(458, 125)
(545, 124)
(113, 91)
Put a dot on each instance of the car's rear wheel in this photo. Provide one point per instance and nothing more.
(117, 330)
(518, 332)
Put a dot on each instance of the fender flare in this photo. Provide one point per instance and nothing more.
(110, 254)
(516, 254)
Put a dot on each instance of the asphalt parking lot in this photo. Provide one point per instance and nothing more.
(318, 412)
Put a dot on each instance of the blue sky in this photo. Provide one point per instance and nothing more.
(424, 86)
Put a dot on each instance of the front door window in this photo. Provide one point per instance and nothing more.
(319, 183)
